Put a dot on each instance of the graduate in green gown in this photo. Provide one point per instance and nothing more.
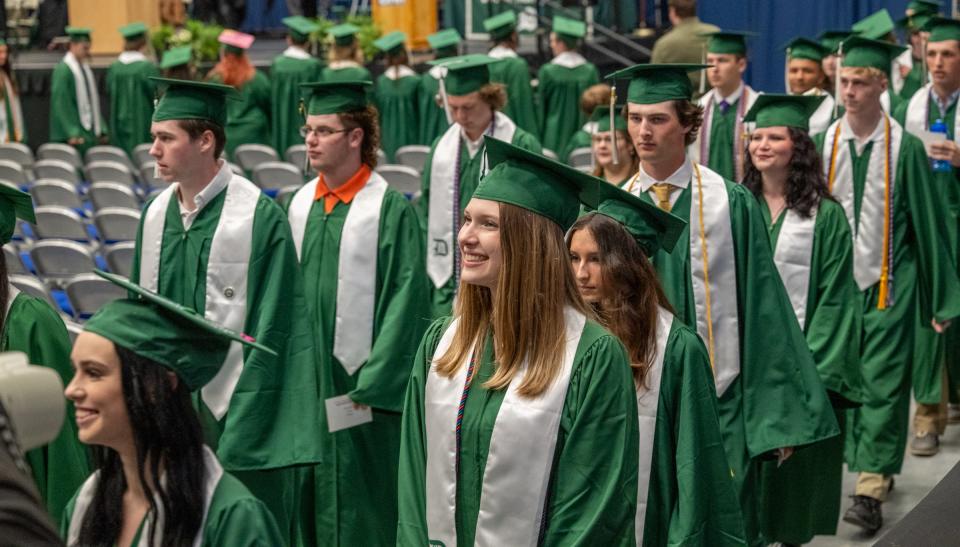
(345, 63)
(543, 448)
(830, 40)
(131, 91)
(135, 364)
(177, 64)
(561, 83)
(214, 242)
(813, 251)
(899, 249)
(512, 70)
(914, 78)
(75, 116)
(12, 126)
(614, 157)
(594, 97)
(770, 397)
(433, 114)
(721, 143)
(685, 494)
(397, 96)
(369, 298)
(805, 76)
(30, 325)
(249, 120)
(291, 68)
(880, 26)
(452, 170)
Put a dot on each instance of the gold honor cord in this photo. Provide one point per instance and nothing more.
(706, 269)
(613, 129)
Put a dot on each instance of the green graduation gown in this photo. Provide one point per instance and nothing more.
(131, 100)
(61, 466)
(514, 72)
(801, 498)
(272, 420)
(248, 118)
(583, 138)
(64, 111)
(777, 400)
(397, 96)
(345, 71)
(592, 494)
(355, 486)
(290, 69)
(913, 81)
(558, 96)
(442, 297)
(922, 260)
(716, 145)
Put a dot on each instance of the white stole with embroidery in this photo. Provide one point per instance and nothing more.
(520, 458)
(357, 267)
(88, 100)
(699, 151)
(441, 234)
(793, 255)
(918, 112)
(226, 276)
(14, 101)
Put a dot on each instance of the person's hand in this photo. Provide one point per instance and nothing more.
(75, 141)
(938, 327)
(945, 150)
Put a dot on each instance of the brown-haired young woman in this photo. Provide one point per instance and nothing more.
(248, 121)
(523, 406)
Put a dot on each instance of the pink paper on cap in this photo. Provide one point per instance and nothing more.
(235, 38)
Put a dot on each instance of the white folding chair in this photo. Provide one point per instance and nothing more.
(116, 224)
(119, 257)
(109, 171)
(55, 192)
(60, 151)
(33, 287)
(60, 258)
(296, 155)
(12, 258)
(106, 152)
(88, 292)
(56, 169)
(59, 222)
(141, 154)
(113, 194)
(581, 157)
(274, 175)
(401, 178)
(18, 153)
(412, 155)
(12, 172)
(381, 157)
(249, 156)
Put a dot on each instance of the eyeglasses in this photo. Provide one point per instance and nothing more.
(322, 131)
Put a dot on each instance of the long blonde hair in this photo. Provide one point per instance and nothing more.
(534, 286)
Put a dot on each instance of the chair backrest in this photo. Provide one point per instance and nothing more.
(73, 329)
(107, 152)
(412, 155)
(88, 292)
(296, 155)
(581, 157)
(113, 194)
(401, 178)
(249, 156)
(141, 154)
(149, 176)
(60, 151)
(18, 153)
(33, 287)
(274, 175)
(116, 224)
(12, 257)
(55, 169)
(284, 195)
(12, 172)
(109, 171)
(59, 258)
(547, 153)
(119, 257)
(59, 222)
(55, 192)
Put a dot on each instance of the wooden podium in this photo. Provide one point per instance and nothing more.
(417, 18)
(105, 17)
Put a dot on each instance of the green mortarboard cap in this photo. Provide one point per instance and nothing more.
(804, 48)
(727, 42)
(830, 39)
(776, 110)
(651, 84)
(78, 34)
(915, 23)
(176, 56)
(133, 31)
(567, 28)
(343, 35)
(14, 204)
(392, 43)
(652, 227)
(535, 183)
(601, 115)
(190, 100)
(864, 52)
(501, 25)
(942, 29)
(299, 27)
(466, 74)
(930, 7)
(163, 331)
(445, 39)
(874, 26)
(335, 97)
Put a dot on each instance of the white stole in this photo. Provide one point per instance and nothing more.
(128, 57)
(904, 60)
(357, 267)
(88, 105)
(520, 458)
(868, 239)
(918, 113)
(793, 255)
(885, 101)
(821, 118)
(211, 478)
(441, 234)
(226, 276)
(648, 403)
(398, 71)
(569, 59)
(501, 52)
(294, 52)
(699, 151)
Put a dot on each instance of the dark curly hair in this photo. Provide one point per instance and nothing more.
(806, 185)
(368, 120)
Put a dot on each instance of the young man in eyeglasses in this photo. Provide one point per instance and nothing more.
(362, 253)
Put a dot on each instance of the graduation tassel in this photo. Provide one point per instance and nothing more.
(703, 71)
(786, 73)
(302, 109)
(923, 60)
(613, 127)
(443, 95)
(836, 82)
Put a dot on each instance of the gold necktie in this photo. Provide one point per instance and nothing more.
(663, 191)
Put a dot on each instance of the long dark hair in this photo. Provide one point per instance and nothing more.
(806, 185)
(631, 290)
(165, 430)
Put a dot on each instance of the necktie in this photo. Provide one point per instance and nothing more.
(724, 105)
(663, 191)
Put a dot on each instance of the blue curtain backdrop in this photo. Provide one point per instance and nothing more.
(779, 21)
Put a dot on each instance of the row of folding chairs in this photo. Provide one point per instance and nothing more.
(107, 225)
(79, 296)
(56, 259)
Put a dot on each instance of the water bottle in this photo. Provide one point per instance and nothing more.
(940, 166)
